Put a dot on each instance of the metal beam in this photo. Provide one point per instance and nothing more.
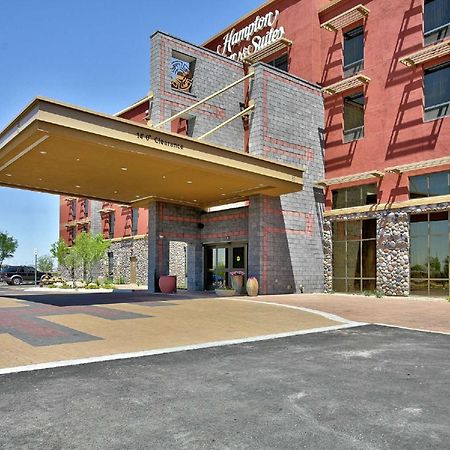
(239, 114)
(190, 108)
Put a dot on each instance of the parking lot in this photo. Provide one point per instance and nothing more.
(369, 387)
(196, 371)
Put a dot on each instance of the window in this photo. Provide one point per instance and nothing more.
(355, 196)
(437, 91)
(72, 234)
(112, 223)
(134, 221)
(429, 254)
(86, 207)
(182, 72)
(354, 256)
(280, 63)
(429, 185)
(111, 265)
(354, 117)
(436, 20)
(353, 51)
(73, 209)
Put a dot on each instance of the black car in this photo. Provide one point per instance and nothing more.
(18, 274)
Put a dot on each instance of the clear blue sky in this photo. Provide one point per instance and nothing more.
(92, 53)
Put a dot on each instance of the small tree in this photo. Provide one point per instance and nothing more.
(45, 263)
(89, 250)
(66, 256)
(59, 250)
(8, 246)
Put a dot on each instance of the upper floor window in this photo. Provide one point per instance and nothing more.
(134, 221)
(280, 63)
(73, 209)
(436, 20)
(86, 207)
(72, 235)
(112, 224)
(429, 185)
(182, 71)
(353, 51)
(437, 91)
(355, 196)
(354, 117)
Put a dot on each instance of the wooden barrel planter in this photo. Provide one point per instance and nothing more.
(168, 284)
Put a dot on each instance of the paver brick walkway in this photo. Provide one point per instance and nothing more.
(34, 329)
(410, 312)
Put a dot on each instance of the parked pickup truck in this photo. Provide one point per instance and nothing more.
(19, 274)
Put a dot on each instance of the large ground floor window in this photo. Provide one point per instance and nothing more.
(354, 255)
(429, 254)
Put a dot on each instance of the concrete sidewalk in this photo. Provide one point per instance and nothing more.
(409, 312)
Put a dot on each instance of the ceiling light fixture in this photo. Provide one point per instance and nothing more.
(124, 168)
(42, 152)
(189, 182)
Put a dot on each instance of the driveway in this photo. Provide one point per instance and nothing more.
(361, 388)
(37, 329)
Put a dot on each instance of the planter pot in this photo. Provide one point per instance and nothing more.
(252, 287)
(237, 281)
(225, 292)
(168, 284)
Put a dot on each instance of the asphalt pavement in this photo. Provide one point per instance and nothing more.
(370, 387)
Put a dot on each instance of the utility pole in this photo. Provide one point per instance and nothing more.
(35, 267)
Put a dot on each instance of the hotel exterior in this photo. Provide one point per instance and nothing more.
(328, 136)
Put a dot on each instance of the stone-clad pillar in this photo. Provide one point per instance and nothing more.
(393, 253)
(194, 266)
(168, 222)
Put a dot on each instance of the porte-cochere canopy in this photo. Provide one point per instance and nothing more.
(62, 149)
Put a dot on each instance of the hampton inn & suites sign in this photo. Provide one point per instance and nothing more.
(249, 34)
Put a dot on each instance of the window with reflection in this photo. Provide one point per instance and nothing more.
(436, 20)
(429, 185)
(355, 196)
(354, 256)
(437, 91)
(353, 51)
(429, 254)
(354, 117)
(281, 62)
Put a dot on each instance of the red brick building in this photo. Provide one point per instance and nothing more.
(384, 71)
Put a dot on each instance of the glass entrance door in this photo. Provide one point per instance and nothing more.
(220, 260)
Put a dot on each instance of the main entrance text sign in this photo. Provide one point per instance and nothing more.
(258, 42)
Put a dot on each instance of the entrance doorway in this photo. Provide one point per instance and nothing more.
(133, 270)
(222, 259)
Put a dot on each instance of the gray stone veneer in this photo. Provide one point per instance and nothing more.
(285, 234)
(123, 250)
